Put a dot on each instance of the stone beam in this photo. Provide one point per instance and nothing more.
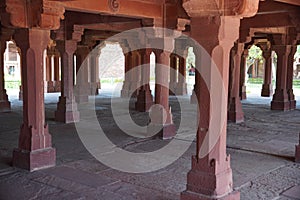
(264, 21)
(244, 8)
(115, 26)
(272, 7)
(140, 9)
(293, 2)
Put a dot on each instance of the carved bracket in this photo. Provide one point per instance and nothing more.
(31, 14)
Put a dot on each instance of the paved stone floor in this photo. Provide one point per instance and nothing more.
(261, 150)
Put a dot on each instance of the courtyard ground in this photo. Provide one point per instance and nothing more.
(261, 149)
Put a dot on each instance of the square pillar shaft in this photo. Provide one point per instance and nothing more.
(35, 148)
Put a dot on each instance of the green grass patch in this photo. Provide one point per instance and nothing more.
(12, 84)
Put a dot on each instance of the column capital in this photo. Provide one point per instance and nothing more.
(68, 46)
(238, 48)
(282, 49)
(166, 44)
(32, 34)
(215, 31)
(160, 52)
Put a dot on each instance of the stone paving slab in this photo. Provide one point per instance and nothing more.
(260, 151)
(79, 176)
(293, 192)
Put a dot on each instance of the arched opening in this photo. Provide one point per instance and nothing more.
(296, 74)
(112, 68)
(190, 67)
(12, 70)
(152, 72)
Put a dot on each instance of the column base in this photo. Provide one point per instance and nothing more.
(93, 89)
(57, 86)
(164, 131)
(125, 90)
(144, 101)
(235, 113)
(172, 88)
(187, 195)
(21, 93)
(280, 105)
(34, 160)
(81, 93)
(243, 93)
(5, 106)
(181, 89)
(236, 117)
(292, 99)
(82, 99)
(280, 100)
(267, 90)
(50, 87)
(193, 99)
(66, 111)
(209, 180)
(297, 154)
(125, 93)
(293, 105)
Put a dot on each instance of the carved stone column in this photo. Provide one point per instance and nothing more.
(173, 73)
(145, 98)
(235, 112)
(280, 98)
(57, 82)
(67, 107)
(135, 80)
(49, 79)
(126, 84)
(35, 148)
(243, 94)
(290, 77)
(181, 88)
(161, 116)
(194, 99)
(82, 68)
(94, 73)
(267, 88)
(211, 174)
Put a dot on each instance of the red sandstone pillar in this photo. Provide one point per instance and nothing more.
(126, 83)
(173, 73)
(48, 79)
(67, 107)
(290, 77)
(144, 98)
(82, 65)
(94, 73)
(243, 94)
(162, 116)
(280, 98)
(267, 88)
(4, 103)
(135, 78)
(35, 148)
(193, 99)
(57, 83)
(235, 112)
(211, 175)
(181, 88)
